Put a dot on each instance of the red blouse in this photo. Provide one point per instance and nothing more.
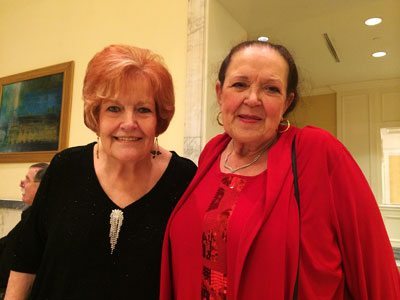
(207, 237)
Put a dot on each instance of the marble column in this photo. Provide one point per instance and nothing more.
(195, 79)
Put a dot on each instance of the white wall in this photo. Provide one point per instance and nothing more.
(8, 219)
(362, 109)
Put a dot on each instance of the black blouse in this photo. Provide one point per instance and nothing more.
(66, 243)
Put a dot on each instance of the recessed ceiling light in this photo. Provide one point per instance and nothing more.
(263, 39)
(373, 21)
(379, 54)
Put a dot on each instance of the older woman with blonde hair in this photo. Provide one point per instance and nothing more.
(96, 227)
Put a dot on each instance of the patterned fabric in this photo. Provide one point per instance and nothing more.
(214, 237)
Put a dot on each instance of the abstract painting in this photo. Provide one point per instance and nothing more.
(34, 113)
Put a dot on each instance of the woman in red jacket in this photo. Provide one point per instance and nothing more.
(245, 230)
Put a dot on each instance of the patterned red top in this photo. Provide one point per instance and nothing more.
(215, 233)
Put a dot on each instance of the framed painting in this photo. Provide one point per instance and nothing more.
(35, 113)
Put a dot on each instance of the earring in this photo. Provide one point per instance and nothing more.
(97, 149)
(155, 152)
(283, 126)
(218, 121)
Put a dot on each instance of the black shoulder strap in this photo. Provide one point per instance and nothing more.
(294, 170)
(297, 195)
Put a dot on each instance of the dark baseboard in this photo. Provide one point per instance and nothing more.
(12, 204)
(396, 253)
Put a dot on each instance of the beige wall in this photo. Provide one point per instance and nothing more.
(37, 34)
(319, 110)
(223, 32)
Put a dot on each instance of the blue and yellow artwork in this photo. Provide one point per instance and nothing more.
(30, 113)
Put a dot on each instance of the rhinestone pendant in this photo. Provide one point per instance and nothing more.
(116, 219)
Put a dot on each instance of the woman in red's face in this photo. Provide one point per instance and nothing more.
(253, 97)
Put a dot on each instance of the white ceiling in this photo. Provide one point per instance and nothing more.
(300, 25)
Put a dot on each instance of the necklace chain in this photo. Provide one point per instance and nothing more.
(234, 170)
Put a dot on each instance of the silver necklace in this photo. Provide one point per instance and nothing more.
(234, 170)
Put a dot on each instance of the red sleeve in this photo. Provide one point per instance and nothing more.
(368, 259)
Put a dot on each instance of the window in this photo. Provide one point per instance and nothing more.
(391, 165)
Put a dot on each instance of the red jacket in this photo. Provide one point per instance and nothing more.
(344, 250)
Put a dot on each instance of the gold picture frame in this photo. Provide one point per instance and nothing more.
(35, 111)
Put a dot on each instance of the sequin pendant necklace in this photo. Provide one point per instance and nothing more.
(116, 219)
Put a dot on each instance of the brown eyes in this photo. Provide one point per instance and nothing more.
(273, 89)
(113, 108)
(268, 88)
(239, 85)
(144, 110)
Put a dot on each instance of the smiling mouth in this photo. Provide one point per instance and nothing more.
(127, 139)
(249, 117)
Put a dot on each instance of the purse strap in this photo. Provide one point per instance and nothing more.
(297, 196)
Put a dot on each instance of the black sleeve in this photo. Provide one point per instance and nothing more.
(7, 248)
(7, 252)
(184, 172)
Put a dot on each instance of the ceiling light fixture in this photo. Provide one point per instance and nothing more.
(373, 21)
(379, 54)
(263, 39)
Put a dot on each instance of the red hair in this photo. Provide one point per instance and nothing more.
(119, 66)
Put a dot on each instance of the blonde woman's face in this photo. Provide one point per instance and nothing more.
(127, 126)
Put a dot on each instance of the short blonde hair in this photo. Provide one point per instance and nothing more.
(117, 66)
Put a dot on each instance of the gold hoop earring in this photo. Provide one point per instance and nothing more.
(218, 121)
(284, 125)
(156, 151)
(97, 149)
